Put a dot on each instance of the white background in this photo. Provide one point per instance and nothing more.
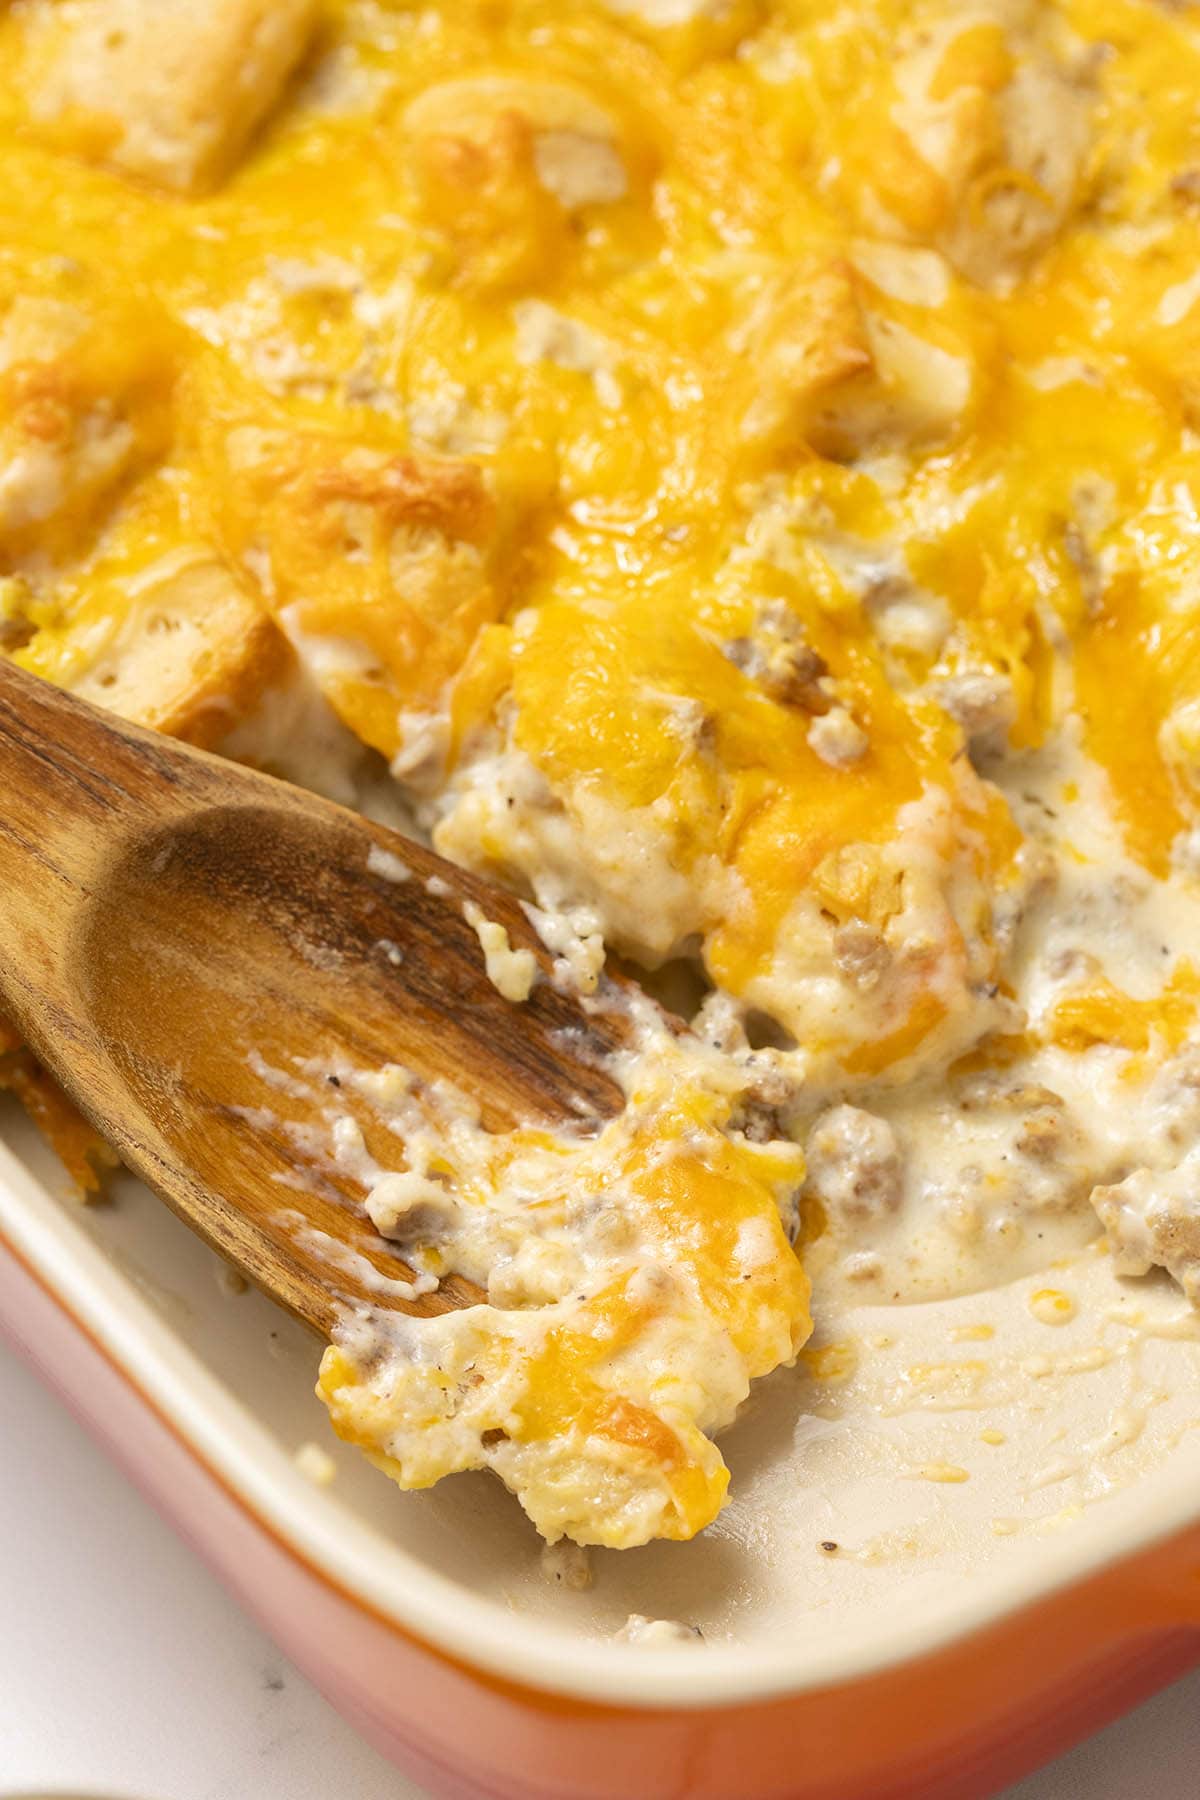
(127, 1672)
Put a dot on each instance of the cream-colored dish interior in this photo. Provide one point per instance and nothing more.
(958, 1472)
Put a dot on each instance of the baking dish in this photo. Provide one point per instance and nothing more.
(943, 1647)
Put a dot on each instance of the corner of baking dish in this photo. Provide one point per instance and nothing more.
(395, 1587)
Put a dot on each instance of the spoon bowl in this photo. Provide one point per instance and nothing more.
(206, 958)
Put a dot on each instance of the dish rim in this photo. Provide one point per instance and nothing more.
(399, 1590)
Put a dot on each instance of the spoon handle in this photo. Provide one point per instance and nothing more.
(75, 784)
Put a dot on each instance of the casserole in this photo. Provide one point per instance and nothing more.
(728, 471)
(691, 463)
(432, 1626)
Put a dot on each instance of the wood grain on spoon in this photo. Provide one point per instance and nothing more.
(173, 928)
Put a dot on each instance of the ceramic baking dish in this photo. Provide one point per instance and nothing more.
(1015, 1510)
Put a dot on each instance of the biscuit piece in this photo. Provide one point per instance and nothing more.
(829, 368)
(192, 654)
(576, 143)
(984, 151)
(82, 1151)
(376, 564)
(503, 162)
(84, 394)
(165, 90)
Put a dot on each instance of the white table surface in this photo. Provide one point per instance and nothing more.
(127, 1672)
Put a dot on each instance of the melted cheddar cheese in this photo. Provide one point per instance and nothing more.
(692, 446)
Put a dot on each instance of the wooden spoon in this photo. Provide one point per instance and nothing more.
(193, 949)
